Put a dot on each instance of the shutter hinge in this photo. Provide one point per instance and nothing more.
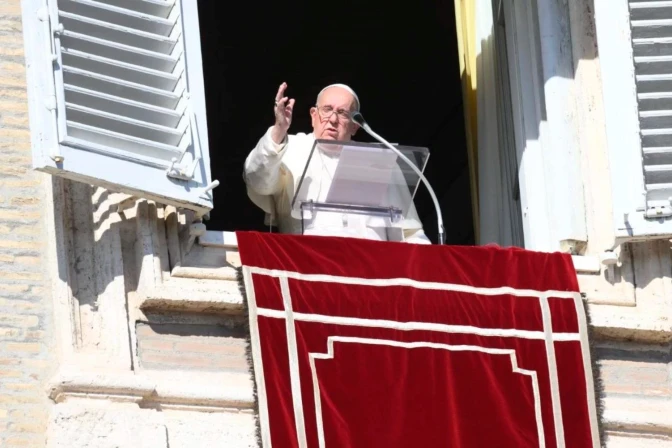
(50, 102)
(58, 30)
(179, 172)
(658, 209)
(43, 14)
(50, 99)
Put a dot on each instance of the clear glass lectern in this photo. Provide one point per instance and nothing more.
(357, 189)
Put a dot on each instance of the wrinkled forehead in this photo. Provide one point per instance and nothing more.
(337, 97)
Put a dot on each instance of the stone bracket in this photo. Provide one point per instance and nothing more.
(175, 390)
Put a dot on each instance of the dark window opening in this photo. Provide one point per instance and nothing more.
(401, 60)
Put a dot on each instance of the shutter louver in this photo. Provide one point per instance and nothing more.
(121, 68)
(651, 28)
(117, 98)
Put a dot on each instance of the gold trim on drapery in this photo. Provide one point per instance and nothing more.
(465, 17)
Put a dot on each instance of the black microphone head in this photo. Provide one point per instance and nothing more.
(358, 118)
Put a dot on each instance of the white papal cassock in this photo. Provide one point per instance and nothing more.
(273, 171)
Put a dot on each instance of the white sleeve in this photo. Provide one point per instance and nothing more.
(262, 166)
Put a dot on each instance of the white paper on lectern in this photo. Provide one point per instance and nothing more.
(363, 176)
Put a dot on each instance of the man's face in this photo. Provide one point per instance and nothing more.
(331, 118)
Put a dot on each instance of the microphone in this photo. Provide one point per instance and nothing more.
(359, 119)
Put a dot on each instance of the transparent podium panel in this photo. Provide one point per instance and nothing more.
(327, 222)
(356, 187)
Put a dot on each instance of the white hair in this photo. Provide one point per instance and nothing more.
(342, 86)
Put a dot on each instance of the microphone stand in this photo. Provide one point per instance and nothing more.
(359, 119)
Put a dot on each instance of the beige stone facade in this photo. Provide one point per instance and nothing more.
(124, 329)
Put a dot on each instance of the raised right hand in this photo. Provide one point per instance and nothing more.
(283, 113)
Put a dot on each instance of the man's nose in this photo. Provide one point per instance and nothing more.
(334, 119)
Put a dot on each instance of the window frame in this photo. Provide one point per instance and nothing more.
(551, 216)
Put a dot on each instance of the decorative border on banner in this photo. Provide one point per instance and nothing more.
(425, 326)
(548, 336)
(400, 281)
(553, 371)
(411, 345)
(293, 354)
(257, 359)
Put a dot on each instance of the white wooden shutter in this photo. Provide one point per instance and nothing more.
(651, 28)
(635, 48)
(123, 92)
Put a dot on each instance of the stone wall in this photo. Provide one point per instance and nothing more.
(26, 347)
(206, 347)
(152, 340)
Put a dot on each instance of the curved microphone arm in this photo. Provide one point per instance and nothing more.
(359, 119)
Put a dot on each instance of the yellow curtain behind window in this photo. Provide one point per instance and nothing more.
(465, 16)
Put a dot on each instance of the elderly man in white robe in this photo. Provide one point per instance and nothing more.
(274, 167)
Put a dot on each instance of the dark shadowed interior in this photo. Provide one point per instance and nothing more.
(401, 60)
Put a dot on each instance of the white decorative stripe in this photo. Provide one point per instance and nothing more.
(294, 376)
(588, 373)
(413, 283)
(258, 362)
(412, 345)
(318, 401)
(552, 373)
(409, 326)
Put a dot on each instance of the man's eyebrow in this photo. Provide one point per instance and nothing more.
(345, 109)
